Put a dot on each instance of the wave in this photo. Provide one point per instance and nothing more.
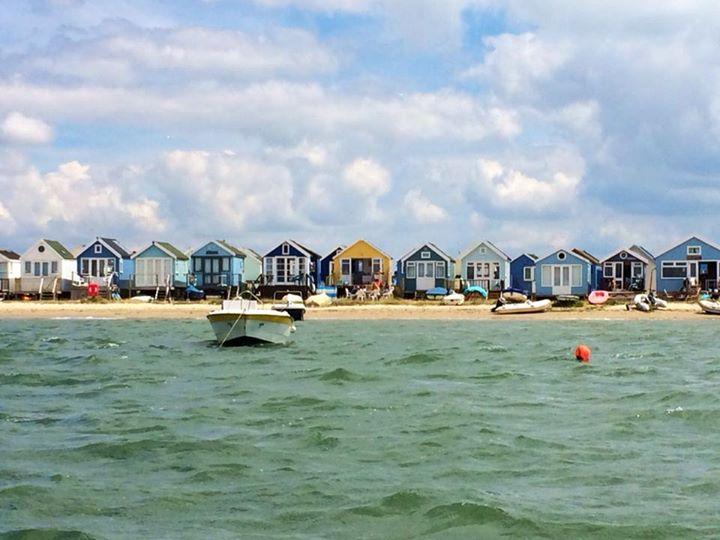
(45, 534)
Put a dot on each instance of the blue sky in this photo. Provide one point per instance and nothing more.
(535, 124)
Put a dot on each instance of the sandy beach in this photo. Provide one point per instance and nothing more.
(369, 311)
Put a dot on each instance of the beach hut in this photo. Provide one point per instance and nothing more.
(326, 266)
(47, 267)
(484, 264)
(360, 264)
(291, 264)
(160, 265)
(693, 262)
(10, 272)
(218, 265)
(423, 268)
(628, 269)
(566, 272)
(105, 261)
(522, 272)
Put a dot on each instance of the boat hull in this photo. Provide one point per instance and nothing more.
(243, 328)
(523, 308)
(710, 306)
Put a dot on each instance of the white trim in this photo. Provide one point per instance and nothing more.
(532, 273)
(110, 249)
(630, 251)
(675, 264)
(97, 248)
(429, 245)
(369, 244)
(285, 249)
(154, 243)
(699, 250)
(488, 244)
(694, 236)
(425, 255)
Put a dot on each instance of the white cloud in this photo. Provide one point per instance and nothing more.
(512, 189)
(421, 209)
(21, 129)
(517, 62)
(367, 178)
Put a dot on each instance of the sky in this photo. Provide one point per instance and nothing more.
(536, 124)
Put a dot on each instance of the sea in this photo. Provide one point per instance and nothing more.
(115, 429)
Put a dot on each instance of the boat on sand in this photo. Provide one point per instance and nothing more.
(710, 306)
(529, 306)
(454, 299)
(647, 302)
(246, 322)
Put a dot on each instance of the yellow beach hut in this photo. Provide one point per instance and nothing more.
(360, 264)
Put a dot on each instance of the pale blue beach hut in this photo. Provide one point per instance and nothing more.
(566, 272)
(160, 265)
(484, 265)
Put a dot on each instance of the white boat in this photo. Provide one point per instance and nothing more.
(453, 299)
(710, 306)
(293, 305)
(243, 322)
(648, 302)
(529, 306)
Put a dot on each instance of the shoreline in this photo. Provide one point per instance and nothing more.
(130, 310)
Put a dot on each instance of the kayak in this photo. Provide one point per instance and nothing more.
(598, 297)
(436, 292)
(476, 289)
(528, 306)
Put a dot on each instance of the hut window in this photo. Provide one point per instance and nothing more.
(528, 273)
(302, 261)
(268, 265)
(483, 251)
(470, 270)
(285, 249)
(496, 270)
(576, 275)
(694, 250)
(53, 267)
(98, 248)
(623, 255)
(608, 269)
(345, 267)
(41, 249)
(37, 269)
(440, 269)
(198, 264)
(376, 266)
(225, 264)
(561, 256)
(425, 255)
(28, 267)
(545, 276)
(674, 270)
(637, 269)
(411, 270)
(45, 269)
(120, 266)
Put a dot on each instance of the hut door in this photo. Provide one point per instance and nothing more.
(425, 276)
(561, 280)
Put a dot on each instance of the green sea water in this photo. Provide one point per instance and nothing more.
(380, 429)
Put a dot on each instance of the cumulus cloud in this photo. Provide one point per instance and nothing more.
(367, 178)
(66, 200)
(21, 129)
(512, 189)
(421, 209)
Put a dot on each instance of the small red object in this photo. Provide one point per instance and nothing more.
(582, 353)
(93, 289)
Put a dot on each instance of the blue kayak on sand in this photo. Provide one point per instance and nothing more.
(475, 289)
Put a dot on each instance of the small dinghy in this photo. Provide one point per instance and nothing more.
(514, 295)
(474, 291)
(243, 322)
(710, 306)
(291, 304)
(529, 306)
(453, 299)
(436, 293)
(319, 300)
(598, 297)
(647, 302)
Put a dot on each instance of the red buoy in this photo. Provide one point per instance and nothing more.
(582, 353)
(93, 289)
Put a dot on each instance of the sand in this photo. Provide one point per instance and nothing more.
(368, 311)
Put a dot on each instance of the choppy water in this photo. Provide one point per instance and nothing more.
(128, 429)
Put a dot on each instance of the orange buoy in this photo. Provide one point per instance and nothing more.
(582, 353)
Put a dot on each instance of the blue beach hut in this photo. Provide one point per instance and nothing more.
(692, 262)
(326, 266)
(291, 263)
(106, 261)
(484, 265)
(628, 269)
(423, 268)
(566, 272)
(218, 265)
(160, 264)
(522, 273)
